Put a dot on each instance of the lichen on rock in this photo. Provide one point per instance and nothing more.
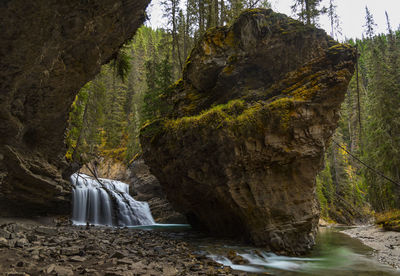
(240, 148)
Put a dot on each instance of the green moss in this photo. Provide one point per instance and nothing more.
(340, 49)
(228, 69)
(207, 48)
(152, 129)
(283, 109)
(255, 10)
(232, 58)
(389, 220)
(340, 46)
(236, 116)
(230, 39)
(179, 82)
(191, 102)
(213, 117)
(218, 38)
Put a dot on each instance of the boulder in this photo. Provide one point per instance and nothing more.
(48, 51)
(242, 135)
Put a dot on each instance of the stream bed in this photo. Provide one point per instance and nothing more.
(105, 202)
(36, 248)
(334, 254)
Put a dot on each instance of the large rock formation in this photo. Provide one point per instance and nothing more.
(247, 126)
(48, 50)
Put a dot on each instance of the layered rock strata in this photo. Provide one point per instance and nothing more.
(48, 50)
(245, 130)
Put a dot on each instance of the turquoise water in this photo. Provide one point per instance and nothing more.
(163, 227)
(335, 254)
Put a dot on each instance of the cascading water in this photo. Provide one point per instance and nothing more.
(106, 203)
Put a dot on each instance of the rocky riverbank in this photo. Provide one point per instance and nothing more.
(385, 243)
(32, 248)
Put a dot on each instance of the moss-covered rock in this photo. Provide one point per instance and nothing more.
(240, 150)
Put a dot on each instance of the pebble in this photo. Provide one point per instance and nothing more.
(68, 250)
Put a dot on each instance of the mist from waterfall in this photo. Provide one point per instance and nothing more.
(106, 202)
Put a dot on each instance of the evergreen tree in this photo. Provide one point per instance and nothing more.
(159, 78)
(308, 11)
(383, 130)
(109, 111)
(369, 23)
(334, 19)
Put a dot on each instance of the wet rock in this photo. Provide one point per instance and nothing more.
(21, 243)
(20, 264)
(70, 251)
(235, 258)
(118, 255)
(169, 271)
(63, 270)
(124, 261)
(90, 271)
(114, 273)
(32, 238)
(50, 268)
(5, 234)
(244, 132)
(3, 242)
(15, 273)
(77, 259)
(46, 231)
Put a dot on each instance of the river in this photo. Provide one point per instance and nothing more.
(95, 202)
(335, 254)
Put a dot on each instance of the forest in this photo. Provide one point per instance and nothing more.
(225, 139)
(362, 165)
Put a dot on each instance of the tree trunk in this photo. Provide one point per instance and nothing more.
(358, 101)
(201, 17)
(308, 11)
(223, 12)
(216, 12)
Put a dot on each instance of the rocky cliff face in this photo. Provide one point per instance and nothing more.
(146, 187)
(48, 50)
(248, 124)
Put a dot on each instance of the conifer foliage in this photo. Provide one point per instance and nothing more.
(109, 111)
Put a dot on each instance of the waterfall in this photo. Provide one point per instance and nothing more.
(108, 203)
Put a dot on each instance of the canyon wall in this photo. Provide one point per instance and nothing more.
(48, 50)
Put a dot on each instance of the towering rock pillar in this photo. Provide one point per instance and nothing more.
(246, 128)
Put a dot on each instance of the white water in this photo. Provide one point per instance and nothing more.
(108, 203)
(335, 254)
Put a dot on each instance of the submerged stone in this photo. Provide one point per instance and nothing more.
(240, 148)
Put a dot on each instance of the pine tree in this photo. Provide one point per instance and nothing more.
(334, 19)
(383, 130)
(369, 23)
(308, 11)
